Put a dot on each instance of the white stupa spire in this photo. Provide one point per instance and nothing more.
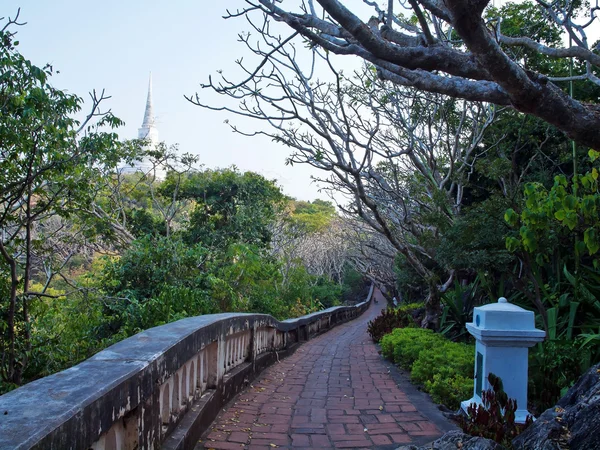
(149, 133)
(148, 129)
(149, 113)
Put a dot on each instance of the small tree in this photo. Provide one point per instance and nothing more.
(47, 162)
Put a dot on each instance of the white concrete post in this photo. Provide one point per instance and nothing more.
(503, 332)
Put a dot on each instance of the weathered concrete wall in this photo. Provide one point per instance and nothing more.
(152, 388)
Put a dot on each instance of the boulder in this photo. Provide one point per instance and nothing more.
(574, 423)
(456, 439)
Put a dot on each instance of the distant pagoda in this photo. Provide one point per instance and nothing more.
(148, 130)
(149, 133)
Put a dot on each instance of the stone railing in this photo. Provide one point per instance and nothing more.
(158, 389)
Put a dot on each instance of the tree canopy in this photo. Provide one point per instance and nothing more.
(460, 48)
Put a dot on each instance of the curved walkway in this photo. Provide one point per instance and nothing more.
(336, 391)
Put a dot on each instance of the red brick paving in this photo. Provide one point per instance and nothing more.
(334, 392)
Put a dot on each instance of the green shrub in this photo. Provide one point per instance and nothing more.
(450, 390)
(443, 367)
(447, 359)
(173, 303)
(354, 285)
(327, 292)
(387, 344)
(554, 366)
(389, 319)
(412, 342)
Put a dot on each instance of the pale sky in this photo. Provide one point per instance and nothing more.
(114, 44)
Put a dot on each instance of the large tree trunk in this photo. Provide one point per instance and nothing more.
(432, 308)
(482, 72)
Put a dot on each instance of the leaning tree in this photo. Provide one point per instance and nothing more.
(457, 48)
(400, 138)
(400, 156)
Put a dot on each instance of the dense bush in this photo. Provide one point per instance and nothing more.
(155, 281)
(162, 279)
(68, 330)
(403, 345)
(326, 292)
(444, 368)
(446, 371)
(408, 281)
(447, 358)
(389, 319)
(554, 366)
(450, 390)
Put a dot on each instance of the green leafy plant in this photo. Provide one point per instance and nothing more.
(403, 345)
(457, 310)
(554, 366)
(446, 372)
(495, 417)
(449, 389)
(446, 358)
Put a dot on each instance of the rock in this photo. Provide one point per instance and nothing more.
(574, 423)
(454, 440)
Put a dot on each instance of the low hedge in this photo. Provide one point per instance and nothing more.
(444, 368)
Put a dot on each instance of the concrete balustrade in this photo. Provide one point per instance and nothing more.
(158, 389)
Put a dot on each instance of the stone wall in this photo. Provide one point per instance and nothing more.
(159, 388)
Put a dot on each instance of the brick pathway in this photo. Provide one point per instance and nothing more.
(334, 392)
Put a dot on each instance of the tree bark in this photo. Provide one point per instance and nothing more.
(483, 73)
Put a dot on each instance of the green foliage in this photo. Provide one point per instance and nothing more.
(68, 330)
(230, 207)
(447, 358)
(161, 279)
(554, 366)
(403, 345)
(151, 263)
(408, 281)
(495, 417)
(445, 368)
(553, 216)
(326, 292)
(527, 19)
(558, 240)
(313, 216)
(391, 318)
(449, 389)
(172, 303)
(476, 239)
(354, 285)
(446, 372)
(142, 222)
(457, 310)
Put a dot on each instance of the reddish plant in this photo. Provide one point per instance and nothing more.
(495, 417)
(389, 319)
